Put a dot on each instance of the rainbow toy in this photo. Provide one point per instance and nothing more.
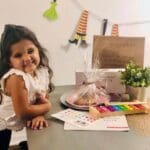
(119, 109)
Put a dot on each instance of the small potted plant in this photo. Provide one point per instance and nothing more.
(136, 80)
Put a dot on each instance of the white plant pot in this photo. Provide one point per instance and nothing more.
(137, 93)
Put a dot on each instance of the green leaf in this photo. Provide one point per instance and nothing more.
(135, 76)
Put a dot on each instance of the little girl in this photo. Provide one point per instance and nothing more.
(25, 82)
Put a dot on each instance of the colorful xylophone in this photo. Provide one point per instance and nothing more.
(119, 109)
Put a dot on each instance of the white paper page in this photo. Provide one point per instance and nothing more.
(74, 117)
(113, 123)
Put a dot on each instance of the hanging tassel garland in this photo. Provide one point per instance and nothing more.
(51, 13)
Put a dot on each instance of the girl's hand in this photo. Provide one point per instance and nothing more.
(37, 123)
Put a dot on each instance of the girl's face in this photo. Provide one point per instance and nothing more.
(25, 56)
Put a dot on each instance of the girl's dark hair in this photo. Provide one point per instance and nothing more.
(13, 34)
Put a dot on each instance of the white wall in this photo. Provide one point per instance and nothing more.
(54, 35)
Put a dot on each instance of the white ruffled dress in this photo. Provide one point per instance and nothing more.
(38, 84)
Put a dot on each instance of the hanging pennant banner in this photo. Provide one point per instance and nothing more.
(116, 52)
(80, 32)
(51, 13)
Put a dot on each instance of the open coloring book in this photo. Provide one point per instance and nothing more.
(79, 120)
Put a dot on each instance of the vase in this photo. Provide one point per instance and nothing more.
(136, 93)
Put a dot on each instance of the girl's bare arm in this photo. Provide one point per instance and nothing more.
(15, 87)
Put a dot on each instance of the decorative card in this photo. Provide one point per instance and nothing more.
(115, 52)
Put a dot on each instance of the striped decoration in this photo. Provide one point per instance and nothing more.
(115, 30)
(81, 28)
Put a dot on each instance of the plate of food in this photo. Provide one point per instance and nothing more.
(82, 100)
(64, 98)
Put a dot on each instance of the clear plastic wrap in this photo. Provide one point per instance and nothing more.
(87, 95)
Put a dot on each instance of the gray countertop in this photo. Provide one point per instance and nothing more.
(56, 138)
